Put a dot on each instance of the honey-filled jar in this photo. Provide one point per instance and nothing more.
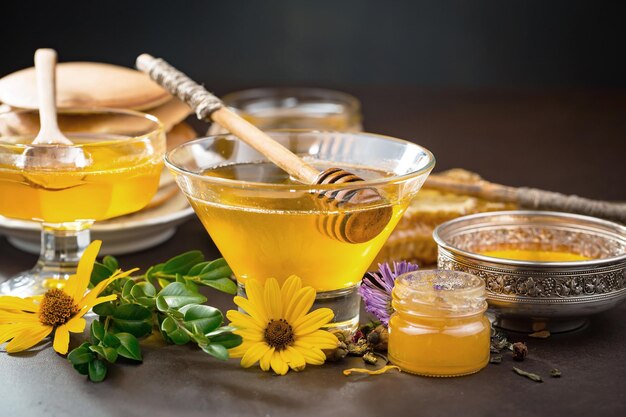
(439, 327)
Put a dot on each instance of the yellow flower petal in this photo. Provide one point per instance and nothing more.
(28, 338)
(300, 304)
(76, 325)
(312, 321)
(7, 317)
(273, 299)
(289, 290)
(9, 331)
(250, 335)
(254, 293)
(61, 339)
(254, 354)
(278, 364)
(90, 303)
(77, 284)
(294, 358)
(256, 313)
(265, 361)
(89, 299)
(321, 339)
(239, 351)
(242, 321)
(311, 354)
(8, 302)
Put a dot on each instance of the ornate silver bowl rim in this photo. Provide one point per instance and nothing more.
(497, 219)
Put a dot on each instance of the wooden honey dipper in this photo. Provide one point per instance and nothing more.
(357, 226)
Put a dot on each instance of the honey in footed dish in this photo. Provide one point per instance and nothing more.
(535, 255)
(112, 185)
(442, 330)
(263, 236)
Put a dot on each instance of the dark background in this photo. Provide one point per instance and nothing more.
(526, 93)
(467, 44)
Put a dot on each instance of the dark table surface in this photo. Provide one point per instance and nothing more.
(574, 142)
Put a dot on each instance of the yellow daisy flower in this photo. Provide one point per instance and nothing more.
(24, 322)
(277, 332)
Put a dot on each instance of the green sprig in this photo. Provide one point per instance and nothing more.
(165, 297)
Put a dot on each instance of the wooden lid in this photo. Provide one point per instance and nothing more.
(170, 113)
(86, 84)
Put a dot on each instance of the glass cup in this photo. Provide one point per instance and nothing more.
(267, 225)
(123, 151)
(295, 108)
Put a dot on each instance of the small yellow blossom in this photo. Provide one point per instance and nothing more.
(278, 331)
(24, 322)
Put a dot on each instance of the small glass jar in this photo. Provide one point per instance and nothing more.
(295, 108)
(439, 327)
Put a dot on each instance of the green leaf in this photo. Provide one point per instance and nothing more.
(132, 318)
(97, 331)
(97, 370)
(216, 270)
(181, 264)
(99, 273)
(217, 351)
(129, 347)
(228, 340)
(197, 269)
(226, 285)
(178, 294)
(110, 340)
(128, 286)
(80, 355)
(172, 330)
(104, 309)
(110, 262)
(181, 279)
(147, 289)
(82, 368)
(201, 319)
(110, 354)
(150, 274)
(161, 304)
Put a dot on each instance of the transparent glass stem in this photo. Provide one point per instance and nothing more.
(62, 245)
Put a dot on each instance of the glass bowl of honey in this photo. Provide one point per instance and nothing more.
(543, 270)
(119, 174)
(267, 225)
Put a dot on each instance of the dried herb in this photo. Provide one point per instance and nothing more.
(499, 342)
(543, 334)
(495, 359)
(555, 373)
(378, 338)
(529, 375)
(370, 358)
(359, 348)
(520, 350)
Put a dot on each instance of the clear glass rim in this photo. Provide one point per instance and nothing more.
(414, 281)
(156, 129)
(441, 235)
(281, 187)
(353, 105)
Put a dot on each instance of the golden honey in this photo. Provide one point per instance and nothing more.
(113, 185)
(272, 237)
(439, 327)
(535, 255)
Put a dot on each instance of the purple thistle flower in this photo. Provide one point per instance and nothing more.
(376, 288)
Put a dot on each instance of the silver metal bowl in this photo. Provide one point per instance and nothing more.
(532, 296)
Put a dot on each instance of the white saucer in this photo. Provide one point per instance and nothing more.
(122, 235)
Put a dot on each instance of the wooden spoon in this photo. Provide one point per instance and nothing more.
(355, 226)
(52, 148)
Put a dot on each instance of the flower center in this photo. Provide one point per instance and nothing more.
(279, 334)
(56, 308)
